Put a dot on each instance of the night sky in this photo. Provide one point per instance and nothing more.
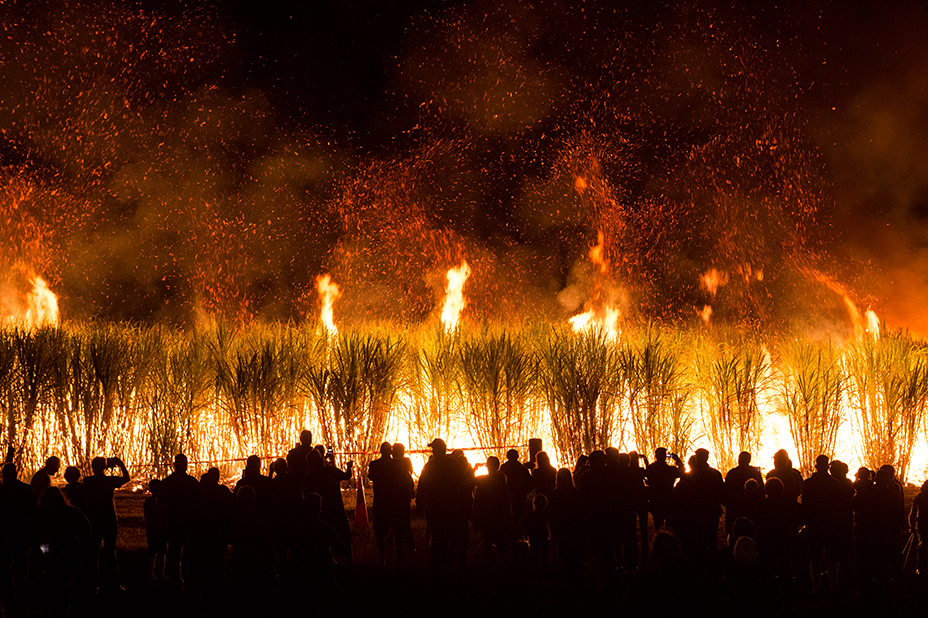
(160, 160)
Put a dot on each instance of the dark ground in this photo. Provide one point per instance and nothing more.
(489, 585)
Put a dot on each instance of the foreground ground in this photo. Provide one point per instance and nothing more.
(489, 584)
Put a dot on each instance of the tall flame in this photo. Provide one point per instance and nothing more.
(42, 305)
(607, 317)
(328, 292)
(587, 320)
(873, 324)
(454, 296)
(35, 309)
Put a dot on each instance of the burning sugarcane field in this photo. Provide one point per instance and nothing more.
(695, 226)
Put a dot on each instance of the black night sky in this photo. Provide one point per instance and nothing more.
(162, 159)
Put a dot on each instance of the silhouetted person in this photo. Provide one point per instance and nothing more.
(403, 513)
(179, 492)
(734, 487)
(596, 488)
(251, 536)
(439, 498)
(626, 494)
(539, 538)
(708, 487)
(155, 529)
(750, 596)
(17, 502)
(42, 479)
(519, 483)
(566, 518)
(252, 477)
(681, 519)
(821, 494)
(296, 457)
(465, 512)
(492, 508)
(661, 477)
(74, 492)
(327, 482)
(748, 503)
(918, 522)
(739, 566)
(640, 497)
(210, 533)
(580, 467)
(789, 476)
(313, 543)
(285, 507)
(101, 511)
(387, 478)
(777, 527)
(543, 476)
(844, 517)
(890, 523)
(866, 529)
(64, 535)
(399, 454)
(667, 579)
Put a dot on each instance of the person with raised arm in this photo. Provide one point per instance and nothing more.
(99, 490)
(326, 480)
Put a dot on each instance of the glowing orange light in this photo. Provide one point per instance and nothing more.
(712, 280)
(597, 253)
(42, 305)
(328, 292)
(454, 296)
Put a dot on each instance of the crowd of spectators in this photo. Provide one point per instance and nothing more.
(664, 525)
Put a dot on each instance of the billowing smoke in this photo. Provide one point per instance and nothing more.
(161, 163)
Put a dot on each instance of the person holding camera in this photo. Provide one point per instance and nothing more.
(101, 511)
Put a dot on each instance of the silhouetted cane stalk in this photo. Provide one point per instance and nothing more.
(729, 378)
(364, 373)
(495, 383)
(431, 406)
(34, 357)
(812, 388)
(888, 394)
(658, 390)
(580, 380)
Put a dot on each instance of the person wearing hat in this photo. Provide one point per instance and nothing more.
(440, 497)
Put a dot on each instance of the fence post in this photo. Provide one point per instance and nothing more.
(535, 446)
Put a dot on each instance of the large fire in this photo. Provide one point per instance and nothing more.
(328, 292)
(600, 312)
(38, 307)
(158, 186)
(454, 301)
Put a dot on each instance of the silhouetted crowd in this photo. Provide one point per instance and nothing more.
(653, 525)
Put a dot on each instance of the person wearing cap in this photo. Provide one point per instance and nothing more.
(439, 498)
